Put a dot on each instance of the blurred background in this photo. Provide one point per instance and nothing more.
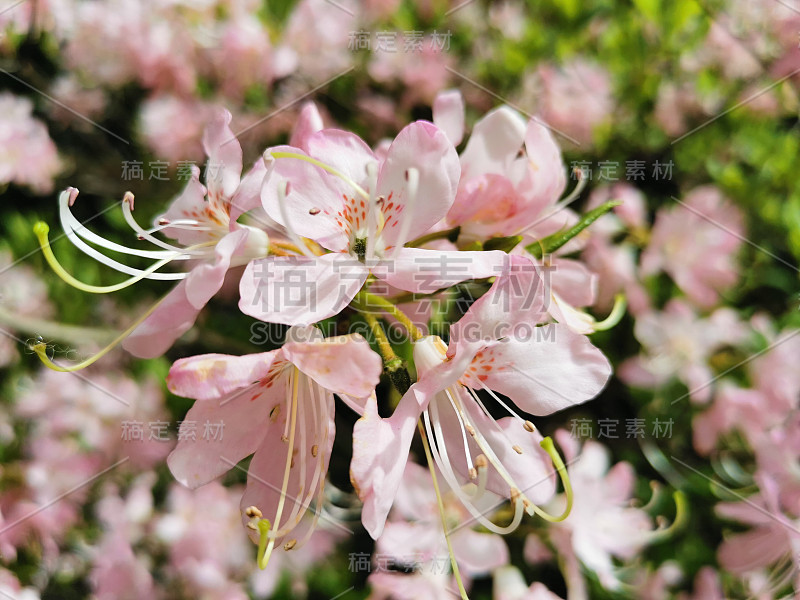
(685, 109)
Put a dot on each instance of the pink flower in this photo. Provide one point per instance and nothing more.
(495, 347)
(576, 98)
(509, 584)
(764, 413)
(29, 156)
(173, 126)
(285, 419)
(602, 525)
(696, 243)
(203, 220)
(413, 537)
(501, 192)
(363, 209)
(773, 535)
(679, 343)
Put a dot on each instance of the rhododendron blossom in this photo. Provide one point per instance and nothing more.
(278, 406)
(203, 221)
(363, 209)
(547, 370)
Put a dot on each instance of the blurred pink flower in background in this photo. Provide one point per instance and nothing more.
(28, 157)
(679, 343)
(576, 98)
(603, 524)
(413, 537)
(696, 242)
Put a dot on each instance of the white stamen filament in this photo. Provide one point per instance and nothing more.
(503, 404)
(70, 224)
(127, 207)
(432, 414)
(292, 398)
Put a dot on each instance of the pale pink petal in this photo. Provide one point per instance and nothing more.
(548, 175)
(486, 200)
(224, 153)
(495, 142)
(543, 370)
(380, 452)
(173, 317)
(518, 296)
(309, 121)
(314, 203)
(244, 415)
(572, 281)
(300, 290)
(206, 279)
(248, 195)
(210, 376)
(189, 204)
(479, 553)
(425, 271)
(752, 550)
(424, 147)
(342, 150)
(448, 114)
(343, 364)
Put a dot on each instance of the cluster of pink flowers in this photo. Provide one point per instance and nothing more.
(325, 227)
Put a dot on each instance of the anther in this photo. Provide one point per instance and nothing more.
(470, 429)
(314, 450)
(273, 414)
(289, 545)
(73, 194)
(284, 438)
(517, 448)
(515, 495)
(314, 211)
(252, 511)
(481, 462)
(529, 426)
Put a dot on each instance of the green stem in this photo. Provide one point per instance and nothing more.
(440, 504)
(449, 234)
(50, 329)
(367, 301)
(553, 242)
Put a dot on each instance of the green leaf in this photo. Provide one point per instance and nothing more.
(553, 242)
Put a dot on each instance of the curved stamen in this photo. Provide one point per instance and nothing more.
(110, 262)
(71, 225)
(615, 316)
(547, 446)
(321, 165)
(264, 560)
(412, 189)
(41, 230)
(436, 435)
(127, 207)
(41, 348)
(440, 504)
